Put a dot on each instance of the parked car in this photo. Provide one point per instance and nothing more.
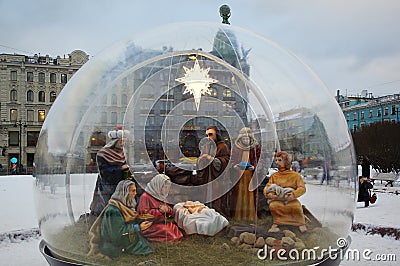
(314, 172)
(142, 167)
(186, 165)
(167, 163)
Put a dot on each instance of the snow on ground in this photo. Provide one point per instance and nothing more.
(18, 213)
(384, 213)
(16, 191)
(21, 252)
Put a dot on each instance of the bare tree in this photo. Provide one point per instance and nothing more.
(380, 143)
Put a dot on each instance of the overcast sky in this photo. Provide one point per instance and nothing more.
(352, 45)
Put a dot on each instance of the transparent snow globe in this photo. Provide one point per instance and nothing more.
(164, 89)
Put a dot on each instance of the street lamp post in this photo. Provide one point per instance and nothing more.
(19, 124)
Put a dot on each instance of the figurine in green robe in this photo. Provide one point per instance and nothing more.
(118, 228)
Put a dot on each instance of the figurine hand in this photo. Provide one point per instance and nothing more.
(291, 196)
(144, 225)
(163, 208)
(271, 195)
(206, 156)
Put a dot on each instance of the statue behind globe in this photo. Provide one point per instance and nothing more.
(165, 92)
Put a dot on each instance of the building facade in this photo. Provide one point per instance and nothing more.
(160, 97)
(363, 110)
(30, 84)
(28, 87)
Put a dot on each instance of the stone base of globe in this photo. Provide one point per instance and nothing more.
(333, 260)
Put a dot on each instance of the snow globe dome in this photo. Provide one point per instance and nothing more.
(163, 89)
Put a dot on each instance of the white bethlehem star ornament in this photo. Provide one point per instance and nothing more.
(197, 82)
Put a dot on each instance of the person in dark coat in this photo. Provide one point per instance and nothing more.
(112, 167)
(364, 185)
(365, 167)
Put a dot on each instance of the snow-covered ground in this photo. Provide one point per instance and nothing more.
(18, 215)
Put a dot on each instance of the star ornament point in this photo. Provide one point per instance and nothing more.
(197, 82)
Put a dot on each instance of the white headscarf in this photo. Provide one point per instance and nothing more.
(121, 194)
(156, 184)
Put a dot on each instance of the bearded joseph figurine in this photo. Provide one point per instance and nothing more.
(285, 210)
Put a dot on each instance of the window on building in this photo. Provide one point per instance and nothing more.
(188, 105)
(104, 117)
(214, 92)
(13, 115)
(13, 95)
(393, 110)
(32, 138)
(13, 75)
(30, 115)
(370, 114)
(104, 99)
(362, 125)
(227, 93)
(29, 76)
(146, 105)
(124, 83)
(141, 121)
(29, 96)
(347, 117)
(378, 112)
(150, 120)
(41, 115)
(386, 112)
(30, 158)
(124, 99)
(354, 128)
(42, 96)
(98, 139)
(114, 99)
(354, 116)
(53, 96)
(41, 77)
(53, 77)
(362, 115)
(63, 78)
(114, 117)
(13, 138)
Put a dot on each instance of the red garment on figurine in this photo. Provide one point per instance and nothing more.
(160, 230)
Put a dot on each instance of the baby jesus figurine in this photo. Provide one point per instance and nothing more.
(196, 218)
(194, 206)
